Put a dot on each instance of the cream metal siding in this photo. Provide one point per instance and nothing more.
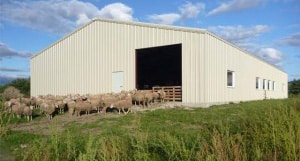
(83, 62)
(222, 56)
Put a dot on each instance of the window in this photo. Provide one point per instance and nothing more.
(274, 84)
(264, 84)
(257, 85)
(230, 78)
(269, 85)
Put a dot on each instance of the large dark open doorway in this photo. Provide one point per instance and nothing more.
(158, 66)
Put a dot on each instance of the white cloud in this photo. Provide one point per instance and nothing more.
(235, 5)
(117, 11)
(243, 37)
(186, 11)
(190, 10)
(291, 40)
(58, 16)
(7, 69)
(238, 34)
(166, 19)
(6, 52)
(82, 19)
(271, 55)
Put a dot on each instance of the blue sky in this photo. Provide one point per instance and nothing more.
(269, 29)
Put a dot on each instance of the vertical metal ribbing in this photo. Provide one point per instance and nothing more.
(90, 55)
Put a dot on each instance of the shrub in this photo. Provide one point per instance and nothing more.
(11, 92)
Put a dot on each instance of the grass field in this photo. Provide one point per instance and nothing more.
(256, 130)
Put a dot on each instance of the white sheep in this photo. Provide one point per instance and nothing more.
(7, 106)
(155, 97)
(162, 95)
(107, 100)
(36, 102)
(138, 97)
(71, 106)
(27, 101)
(27, 112)
(123, 104)
(17, 109)
(61, 106)
(96, 102)
(48, 109)
(148, 95)
(83, 106)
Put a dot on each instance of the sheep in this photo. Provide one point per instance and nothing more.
(7, 106)
(107, 100)
(27, 112)
(71, 106)
(75, 96)
(155, 97)
(76, 103)
(36, 102)
(96, 101)
(17, 109)
(14, 101)
(20, 109)
(83, 106)
(48, 109)
(123, 104)
(49, 101)
(122, 95)
(144, 98)
(27, 101)
(162, 95)
(138, 97)
(61, 106)
(50, 97)
(148, 98)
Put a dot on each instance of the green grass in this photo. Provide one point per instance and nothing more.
(256, 130)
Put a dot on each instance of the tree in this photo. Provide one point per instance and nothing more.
(11, 92)
(294, 87)
(22, 84)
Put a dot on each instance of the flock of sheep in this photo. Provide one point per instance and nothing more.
(78, 104)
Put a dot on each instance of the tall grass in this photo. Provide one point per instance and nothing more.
(4, 123)
(258, 130)
(5, 120)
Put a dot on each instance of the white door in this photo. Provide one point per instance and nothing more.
(117, 81)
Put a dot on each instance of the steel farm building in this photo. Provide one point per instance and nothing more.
(106, 56)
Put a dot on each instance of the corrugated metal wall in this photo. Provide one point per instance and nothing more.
(222, 56)
(83, 62)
